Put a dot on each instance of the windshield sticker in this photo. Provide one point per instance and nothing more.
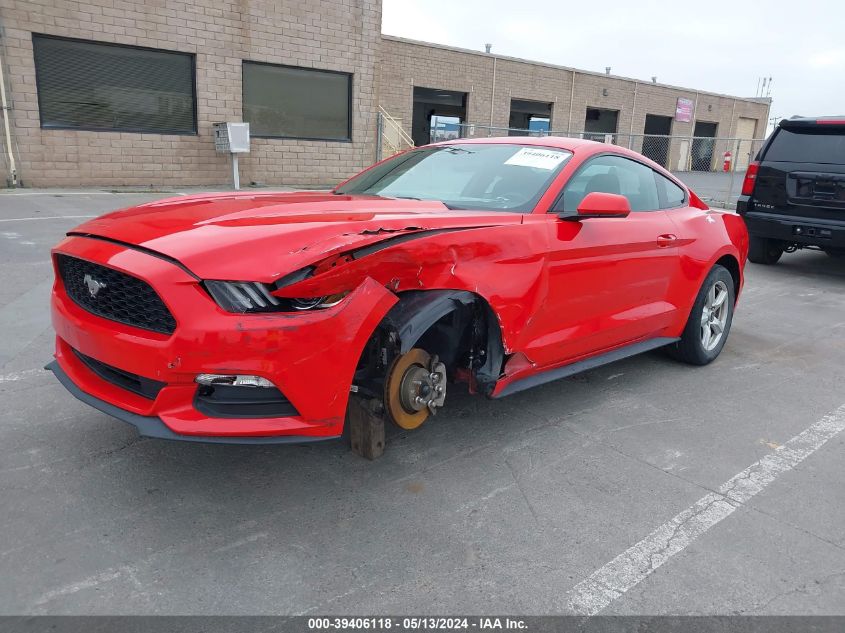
(538, 158)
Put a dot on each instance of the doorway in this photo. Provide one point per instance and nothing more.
(434, 111)
(529, 117)
(598, 123)
(656, 138)
(703, 142)
(745, 147)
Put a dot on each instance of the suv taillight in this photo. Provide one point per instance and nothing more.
(750, 179)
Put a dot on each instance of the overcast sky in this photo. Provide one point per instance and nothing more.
(715, 45)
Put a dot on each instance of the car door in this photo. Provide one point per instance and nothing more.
(608, 278)
(695, 229)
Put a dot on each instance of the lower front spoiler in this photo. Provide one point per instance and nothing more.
(152, 426)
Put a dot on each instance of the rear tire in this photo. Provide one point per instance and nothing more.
(710, 320)
(836, 253)
(762, 250)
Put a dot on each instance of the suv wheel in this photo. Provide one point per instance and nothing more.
(710, 320)
(838, 253)
(763, 250)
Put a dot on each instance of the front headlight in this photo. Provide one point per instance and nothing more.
(318, 302)
(253, 296)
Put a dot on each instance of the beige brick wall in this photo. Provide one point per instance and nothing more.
(406, 63)
(403, 66)
(341, 35)
(530, 82)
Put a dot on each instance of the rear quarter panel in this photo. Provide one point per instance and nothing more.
(706, 237)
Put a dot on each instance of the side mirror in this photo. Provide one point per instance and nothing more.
(602, 205)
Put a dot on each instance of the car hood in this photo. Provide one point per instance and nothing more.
(263, 236)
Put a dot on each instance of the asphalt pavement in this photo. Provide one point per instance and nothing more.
(643, 487)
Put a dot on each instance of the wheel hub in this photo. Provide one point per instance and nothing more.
(415, 388)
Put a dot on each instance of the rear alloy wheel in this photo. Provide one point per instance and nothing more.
(710, 320)
(762, 250)
(415, 387)
(836, 253)
(714, 316)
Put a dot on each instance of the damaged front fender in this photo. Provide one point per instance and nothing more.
(310, 356)
(336, 342)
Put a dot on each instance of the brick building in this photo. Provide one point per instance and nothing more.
(126, 92)
(419, 80)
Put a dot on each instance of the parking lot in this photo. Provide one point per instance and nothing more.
(552, 500)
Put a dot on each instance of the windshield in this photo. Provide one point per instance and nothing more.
(495, 177)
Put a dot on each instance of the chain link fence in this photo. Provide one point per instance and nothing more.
(676, 153)
(713, 167)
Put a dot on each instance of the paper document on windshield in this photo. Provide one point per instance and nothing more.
(537, 157)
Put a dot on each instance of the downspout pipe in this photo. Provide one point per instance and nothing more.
(692, 132)
(633, 112)
(493, 95)
(13, 171)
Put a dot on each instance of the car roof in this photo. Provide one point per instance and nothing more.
(579, 146)
(557, 142)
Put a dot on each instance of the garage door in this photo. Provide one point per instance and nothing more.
(745, 130)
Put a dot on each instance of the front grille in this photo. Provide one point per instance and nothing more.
(144, 387)
(114, 295)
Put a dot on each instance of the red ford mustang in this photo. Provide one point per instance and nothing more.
(500, 263)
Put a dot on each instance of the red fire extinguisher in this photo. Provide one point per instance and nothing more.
(726, 166)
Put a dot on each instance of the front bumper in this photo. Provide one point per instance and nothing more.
(152, 426)
(310, 357)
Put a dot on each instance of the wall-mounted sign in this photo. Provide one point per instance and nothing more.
(683, 111)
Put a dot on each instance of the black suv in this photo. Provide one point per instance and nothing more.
(793, 195)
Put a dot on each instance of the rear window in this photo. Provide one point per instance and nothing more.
(808, 146)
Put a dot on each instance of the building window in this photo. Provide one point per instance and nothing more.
(288, 102)
(97, 86)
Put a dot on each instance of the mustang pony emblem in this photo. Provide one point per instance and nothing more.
(94, 285)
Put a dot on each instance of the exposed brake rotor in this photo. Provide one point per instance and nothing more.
(415, 387)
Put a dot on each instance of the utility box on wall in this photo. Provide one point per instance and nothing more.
(232, 138)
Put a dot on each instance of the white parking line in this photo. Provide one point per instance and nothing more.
(634, 565)
(47, 217)
(21, 375)
(57, 194)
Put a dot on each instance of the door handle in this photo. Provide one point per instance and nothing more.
(667, 239)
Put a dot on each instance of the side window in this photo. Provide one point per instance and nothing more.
(590, 175)
(672, 196)
(612, 174)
